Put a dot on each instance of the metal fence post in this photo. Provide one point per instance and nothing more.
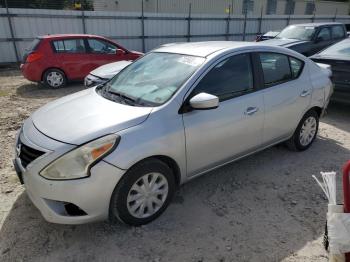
(12, 32)
(189, 22)
(245, 24)
(83, 21)
(143, 28)
(260, 20)
(228, 24)
(288, 19)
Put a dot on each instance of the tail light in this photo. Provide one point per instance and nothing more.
(33, 57)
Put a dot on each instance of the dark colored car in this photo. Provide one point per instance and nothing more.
(338, 56)
(267, 36)
(308, 39)
(56, 59)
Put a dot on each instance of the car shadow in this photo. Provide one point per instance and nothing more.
(262, 208)
(338, 115)
(36, 90)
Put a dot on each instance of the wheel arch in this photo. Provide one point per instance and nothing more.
(317, 109)
(170, 162)
(49, 68)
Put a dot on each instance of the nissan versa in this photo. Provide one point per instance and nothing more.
(121, 149)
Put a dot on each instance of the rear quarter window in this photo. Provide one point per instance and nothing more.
(296, 67)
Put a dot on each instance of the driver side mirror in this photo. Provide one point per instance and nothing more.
(120, 52)
(204, 101)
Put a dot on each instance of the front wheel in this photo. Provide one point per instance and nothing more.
(143, 193)
(305, 133)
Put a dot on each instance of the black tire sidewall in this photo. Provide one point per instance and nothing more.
(118, 205)
(296, 137)
(58, 71)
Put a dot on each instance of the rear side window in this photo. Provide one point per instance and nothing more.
(69, 46)
(229, 78)
(275, 68)
(338, 32)
(296, 67)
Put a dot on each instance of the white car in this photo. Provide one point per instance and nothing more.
(104, 73)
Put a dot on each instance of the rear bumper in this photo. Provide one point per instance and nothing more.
(31, 72)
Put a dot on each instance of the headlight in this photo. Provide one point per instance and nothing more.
(76, 163)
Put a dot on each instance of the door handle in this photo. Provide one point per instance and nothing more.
(251, 110)
(305, 93)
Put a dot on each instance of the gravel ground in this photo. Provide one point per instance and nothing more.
(265, 207)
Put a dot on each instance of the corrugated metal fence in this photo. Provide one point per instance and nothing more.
(137, 30)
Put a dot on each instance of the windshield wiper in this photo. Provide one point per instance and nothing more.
(123, 97)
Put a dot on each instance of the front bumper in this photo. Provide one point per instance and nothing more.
(91, 80)
(91, 195)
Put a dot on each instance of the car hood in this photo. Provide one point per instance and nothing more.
(109, 70)
(85, 115)
(284, 42)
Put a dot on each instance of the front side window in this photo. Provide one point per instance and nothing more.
(229, 78)
(324, 34)
(151, 80)
(338, 32)
(101, 47)
(297, 32)
(69, 46)
(275, 68)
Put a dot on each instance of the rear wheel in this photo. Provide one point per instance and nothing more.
(143, 193)
(305, 133)
(54, 78)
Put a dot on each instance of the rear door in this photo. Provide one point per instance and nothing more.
(286, 95)
(233, 129)
(71, 54)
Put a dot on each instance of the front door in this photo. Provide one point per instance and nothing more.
(233, 129)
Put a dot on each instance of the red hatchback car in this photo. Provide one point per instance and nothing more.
(56, 59)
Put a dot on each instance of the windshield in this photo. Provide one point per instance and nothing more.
(153, 79)
(340, 49)
(297, 32)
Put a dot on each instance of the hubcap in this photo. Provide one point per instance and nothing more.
(147, 195)
(308, 131)
(54, 79)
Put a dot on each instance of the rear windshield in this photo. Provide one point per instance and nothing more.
(33, 45)
(30, 48)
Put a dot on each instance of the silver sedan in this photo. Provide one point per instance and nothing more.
(120, 150)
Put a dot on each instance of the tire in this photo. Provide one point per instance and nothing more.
(54, 78)
(123, 205)
(309, 123)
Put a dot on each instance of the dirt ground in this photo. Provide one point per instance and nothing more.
(265, 207)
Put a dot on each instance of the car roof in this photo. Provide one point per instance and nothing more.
(318, 24)
(68, 36)
(202, 49)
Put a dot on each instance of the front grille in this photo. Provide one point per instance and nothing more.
(28, 154)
